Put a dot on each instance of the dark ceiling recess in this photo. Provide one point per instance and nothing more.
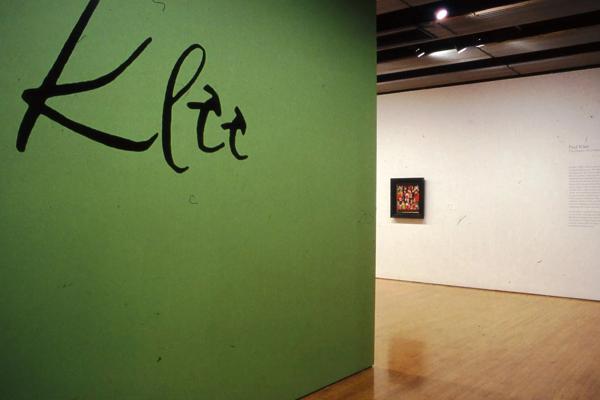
(482, 40)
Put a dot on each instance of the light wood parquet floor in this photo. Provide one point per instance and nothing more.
(439, 342)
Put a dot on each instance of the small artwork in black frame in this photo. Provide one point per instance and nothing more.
(407, 198)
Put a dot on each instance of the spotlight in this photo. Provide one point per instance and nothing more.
(441, 13)
(460, 46)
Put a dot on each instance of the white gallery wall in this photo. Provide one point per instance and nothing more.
(512, 197)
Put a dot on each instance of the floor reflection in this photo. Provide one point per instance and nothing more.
(435, 342)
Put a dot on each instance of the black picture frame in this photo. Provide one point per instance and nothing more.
(412, 192)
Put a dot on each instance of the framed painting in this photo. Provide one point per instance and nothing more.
(407, 198)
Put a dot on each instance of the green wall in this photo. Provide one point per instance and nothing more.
(123, 279)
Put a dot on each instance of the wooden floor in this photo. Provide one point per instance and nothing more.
(438, 342)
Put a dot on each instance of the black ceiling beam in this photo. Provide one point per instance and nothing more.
(478, 80)
(493, 36)
(425, 13)
(402, 38)
(490, 62)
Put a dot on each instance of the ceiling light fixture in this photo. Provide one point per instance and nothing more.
(441, 13)
(420, 53)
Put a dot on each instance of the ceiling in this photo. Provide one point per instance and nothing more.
(482, 40)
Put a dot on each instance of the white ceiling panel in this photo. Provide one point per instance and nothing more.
(386, 6)
(518, 14)
(553, 40)
(560, 63)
